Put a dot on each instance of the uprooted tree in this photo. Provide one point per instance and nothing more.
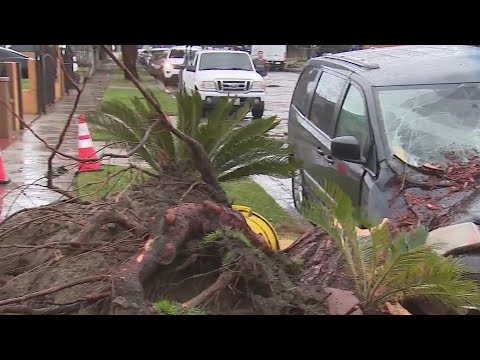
(172, 238)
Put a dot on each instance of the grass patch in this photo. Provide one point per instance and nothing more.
(168, 307)
(83, 69)
(248, 193)
(25, 84)
(167, 102)
(101, 184)
(119, 80)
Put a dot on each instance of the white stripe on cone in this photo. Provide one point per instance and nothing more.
(83, 129)
(85, 143)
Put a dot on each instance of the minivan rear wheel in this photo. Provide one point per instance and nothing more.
(298, 192)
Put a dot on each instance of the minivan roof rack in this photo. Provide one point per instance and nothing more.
(353, 61)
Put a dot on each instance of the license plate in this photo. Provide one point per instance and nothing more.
(237, 102)
(277, 62)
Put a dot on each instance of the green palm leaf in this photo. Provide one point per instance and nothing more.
(273, 166)
(385, 269)
(255, 128)
(120, 130)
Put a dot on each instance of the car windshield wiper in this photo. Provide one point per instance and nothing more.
(237, 68)
(212, 68)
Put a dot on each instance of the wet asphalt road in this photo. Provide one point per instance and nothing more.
(280, 86)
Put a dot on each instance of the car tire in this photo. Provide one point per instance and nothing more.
(257, 112)
(298, 191)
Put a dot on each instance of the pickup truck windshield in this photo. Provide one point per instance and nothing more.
(431, 123)
(225, 61)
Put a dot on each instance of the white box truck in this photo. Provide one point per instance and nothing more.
(274, 54)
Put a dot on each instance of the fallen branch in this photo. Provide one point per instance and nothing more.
(54, 289)
(62, 134)
(199, 155)
(56, 309)
(109, 216)
(222, 281)
(396, 309)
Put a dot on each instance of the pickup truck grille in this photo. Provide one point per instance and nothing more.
(233, 86)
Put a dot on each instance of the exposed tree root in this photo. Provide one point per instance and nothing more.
(144, 248)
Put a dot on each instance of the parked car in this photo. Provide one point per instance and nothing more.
(220, 73)
(143, 52)
(169, 66)
(154, 59)
(397, 129)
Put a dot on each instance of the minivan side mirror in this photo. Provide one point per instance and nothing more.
(190, 68)
(347, 148)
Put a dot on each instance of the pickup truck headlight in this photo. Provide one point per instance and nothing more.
(207, 85)
(258, 85)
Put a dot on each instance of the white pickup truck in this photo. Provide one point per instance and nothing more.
(219, 73)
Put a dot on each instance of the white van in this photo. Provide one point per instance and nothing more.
(274, 54)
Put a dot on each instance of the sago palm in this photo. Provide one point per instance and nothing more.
(385, 269)
(235, 151)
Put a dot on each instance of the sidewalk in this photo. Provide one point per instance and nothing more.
(26, 159)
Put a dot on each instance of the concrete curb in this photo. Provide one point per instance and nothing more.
(280, 191)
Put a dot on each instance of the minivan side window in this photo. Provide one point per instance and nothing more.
(326, 96)
(353, 120)
(304, 89)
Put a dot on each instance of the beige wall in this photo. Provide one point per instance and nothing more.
(12, 72)
(30, 98)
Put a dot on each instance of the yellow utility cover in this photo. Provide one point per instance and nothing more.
(259, 225)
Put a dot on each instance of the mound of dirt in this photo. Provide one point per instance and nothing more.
(162, 240)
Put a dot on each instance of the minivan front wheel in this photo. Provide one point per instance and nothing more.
(298, 191)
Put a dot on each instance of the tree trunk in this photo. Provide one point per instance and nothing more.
(129, 54)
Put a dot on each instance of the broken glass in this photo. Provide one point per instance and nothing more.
(425, 123)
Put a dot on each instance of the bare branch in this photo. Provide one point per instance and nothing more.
(199, 155)
(62, 135)
(53, 289)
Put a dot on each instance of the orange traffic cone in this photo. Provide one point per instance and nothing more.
(3, 177)
(85, 147)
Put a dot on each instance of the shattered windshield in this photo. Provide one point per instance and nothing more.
(424, 124)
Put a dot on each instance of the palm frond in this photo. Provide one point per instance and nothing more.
(250, 150)
(256, 128)
(219, 123)
(120, 130)
(227, 128)
(189, 118)
(272, 165)
(385, 269)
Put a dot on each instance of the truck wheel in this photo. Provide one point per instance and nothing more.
(257, 112)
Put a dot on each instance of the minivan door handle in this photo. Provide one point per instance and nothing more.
(320, 151)
(330, 159)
